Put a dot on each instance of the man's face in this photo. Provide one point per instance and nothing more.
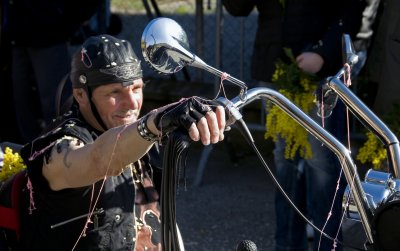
(119, 105)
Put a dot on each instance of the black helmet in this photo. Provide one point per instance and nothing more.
(104, 59)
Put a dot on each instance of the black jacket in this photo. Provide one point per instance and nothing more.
(302, 25)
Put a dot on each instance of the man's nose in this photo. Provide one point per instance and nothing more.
(132, 100)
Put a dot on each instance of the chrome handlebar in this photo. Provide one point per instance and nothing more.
(321, 134)
(371, 121)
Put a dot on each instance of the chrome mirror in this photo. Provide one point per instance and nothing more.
(165, 48)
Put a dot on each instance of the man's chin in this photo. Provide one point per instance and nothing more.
(124, 121)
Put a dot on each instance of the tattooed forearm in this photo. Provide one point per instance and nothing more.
(66, 145)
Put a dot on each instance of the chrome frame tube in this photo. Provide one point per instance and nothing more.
(325, 137)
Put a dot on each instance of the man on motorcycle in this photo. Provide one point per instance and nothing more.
(93, 173)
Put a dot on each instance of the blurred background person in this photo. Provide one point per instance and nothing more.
(8, 130)
(39, 32)
(313, 31)
(386, 64)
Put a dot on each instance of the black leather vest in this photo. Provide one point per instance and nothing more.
(60, 216)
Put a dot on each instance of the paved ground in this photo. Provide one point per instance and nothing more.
(234, 201)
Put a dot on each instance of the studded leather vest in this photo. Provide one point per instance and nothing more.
(59, 218)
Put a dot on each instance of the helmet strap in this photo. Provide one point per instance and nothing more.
(94, 109)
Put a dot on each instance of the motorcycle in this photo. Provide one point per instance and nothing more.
(373, 201)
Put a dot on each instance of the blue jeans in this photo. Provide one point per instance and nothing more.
(311, 185)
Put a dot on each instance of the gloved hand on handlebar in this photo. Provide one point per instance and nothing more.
(204, 120)
(326, 99)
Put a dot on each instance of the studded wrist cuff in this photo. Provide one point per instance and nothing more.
(144, 131)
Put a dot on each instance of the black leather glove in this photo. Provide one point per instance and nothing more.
(183, 113)
(326, 99)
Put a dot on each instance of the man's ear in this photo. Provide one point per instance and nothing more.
(80, 95)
